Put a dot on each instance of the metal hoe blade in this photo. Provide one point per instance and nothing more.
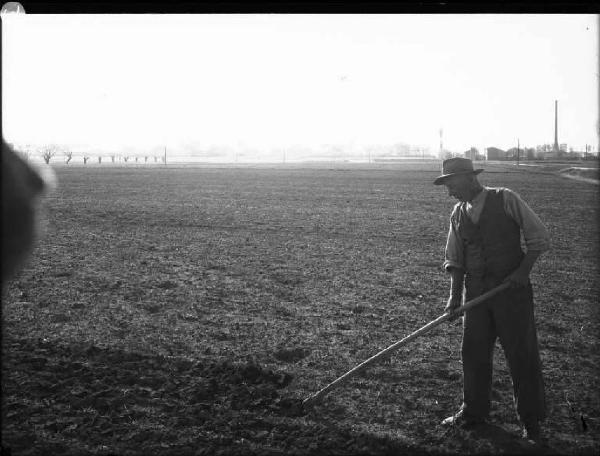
(315, 398)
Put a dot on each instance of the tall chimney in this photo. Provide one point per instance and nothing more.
(555, 125)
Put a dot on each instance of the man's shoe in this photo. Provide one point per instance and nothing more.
(532, 432)
(462, 420)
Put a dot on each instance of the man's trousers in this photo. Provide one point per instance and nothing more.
(509, 317)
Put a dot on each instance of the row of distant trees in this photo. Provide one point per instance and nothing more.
(49, 152)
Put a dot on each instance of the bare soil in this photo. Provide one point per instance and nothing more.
(189, 311)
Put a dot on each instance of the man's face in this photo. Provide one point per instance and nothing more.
(460, 186)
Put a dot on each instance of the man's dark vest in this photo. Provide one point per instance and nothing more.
(493, 245)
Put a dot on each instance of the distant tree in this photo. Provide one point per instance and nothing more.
(48, 151)
(69, 155)
(112, 158)
(136, 159)
(125, 158)
(99, 159)
(146, 159)
(85, 159)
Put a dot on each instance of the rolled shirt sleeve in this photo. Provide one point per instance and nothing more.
(454, 254)
(536, 235)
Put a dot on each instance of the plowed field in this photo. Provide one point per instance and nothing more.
(189, 311)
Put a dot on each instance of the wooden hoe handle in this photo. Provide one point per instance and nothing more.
(315, 398)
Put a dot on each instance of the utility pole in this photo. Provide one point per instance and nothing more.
(518, 147)
(555, 126)
(585, 153)
(165, 155)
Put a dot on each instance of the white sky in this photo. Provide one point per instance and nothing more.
(277, 80)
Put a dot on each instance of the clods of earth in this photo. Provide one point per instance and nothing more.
(93, 400)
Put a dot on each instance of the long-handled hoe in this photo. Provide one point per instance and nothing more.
(315, 398)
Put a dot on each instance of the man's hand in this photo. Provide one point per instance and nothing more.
(454, 302)
(519, 278)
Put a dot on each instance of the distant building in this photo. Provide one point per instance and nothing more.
(540, 149)
(399, 149)
(546, 152)
(511, 154)
(473, 154)
(446, 154)
(550, 155)
(419, 151)
(493, 153)
(529, 153)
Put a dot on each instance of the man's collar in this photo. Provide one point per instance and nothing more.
(480, 195)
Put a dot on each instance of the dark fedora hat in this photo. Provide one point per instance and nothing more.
(455, 166)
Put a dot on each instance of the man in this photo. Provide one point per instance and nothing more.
(21, 188)
(483, 250)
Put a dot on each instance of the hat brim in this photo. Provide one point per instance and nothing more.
(440, 179)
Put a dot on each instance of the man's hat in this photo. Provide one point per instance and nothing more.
(455, 166)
